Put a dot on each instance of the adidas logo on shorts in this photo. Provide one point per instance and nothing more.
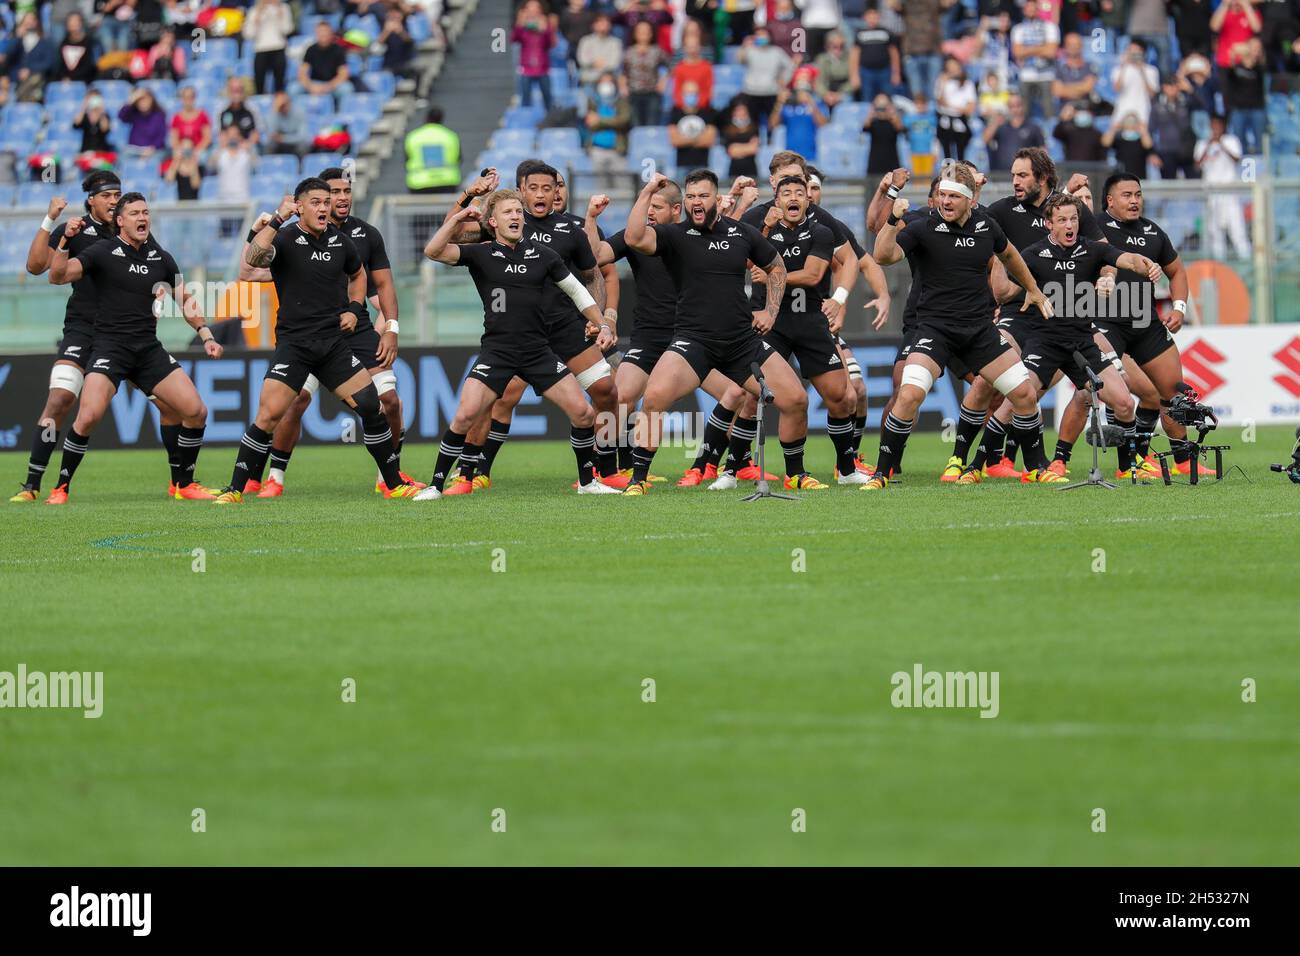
(632, 353)
(355, 363)
(680, 344)
(559, 367)
(835, 358)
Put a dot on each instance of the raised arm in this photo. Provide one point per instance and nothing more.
(887, 251)
(248, 273)
(882, 201)
(441, 248)
(601, 249)
(261, 250)
(637, 235)
(63, 269)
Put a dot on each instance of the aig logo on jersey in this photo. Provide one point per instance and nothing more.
(964, 241)
(518, 267)
(321, 256)
(138, 268)
(791, 252)
(539, 237)
(719, 244)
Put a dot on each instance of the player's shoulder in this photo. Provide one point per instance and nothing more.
(754, 215)
(916, 215)
(354, 227)
(1039, 249)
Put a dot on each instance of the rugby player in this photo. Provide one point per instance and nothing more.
(321, 287)
(569, 334)
(103, 189)
(708, 256)
(130, 273)
(954, 250)
(1142, 339)
(1077, 274)
(374, 344)
(513, 276)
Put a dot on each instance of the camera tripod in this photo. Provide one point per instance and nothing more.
(1096, 434)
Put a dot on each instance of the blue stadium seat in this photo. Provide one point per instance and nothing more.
(730, 73)
(559, 53)
(66, 91)
(850, 113)
(559, 78)
(513, 138)
(222, 50)
(24, 113)
(371, 104)
(522, 117)
(136, 169)
(279, 169)
(163, 191)
(7, 195)
(559, 139)
(776, 138)
(315, 162)
(417, 25)
(19, 136)
(842, 161)
(33, 194)
(1287, 166)
(381, 82)
(840, 137)
(161, 89)
(208, 189)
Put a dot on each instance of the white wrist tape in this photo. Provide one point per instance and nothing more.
(311, 385)
(47, 224)
(841, 295)
(576, 291)
(391, 327)
(1180, 305)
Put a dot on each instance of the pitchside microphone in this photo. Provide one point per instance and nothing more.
(1082, 363)
(764, 393)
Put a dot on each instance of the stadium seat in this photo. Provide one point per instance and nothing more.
(138, 169)
(508, 138)
(417, 25)
(161, 89)
(1287, 166)
(371, 104)
(7, 195)
(66, 91)
(208, 189)
(278, 168)
(222, 50)
(523, 117)
(164, 191)
(33, 194)
(315, 162)
(24, 113)
(558, 140)
(381, 82)
(849, 113)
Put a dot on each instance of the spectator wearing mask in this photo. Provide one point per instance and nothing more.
(1192, 26)
(1131, 143)
(286, 127)
(31, 60)
(608, 119)
(767, 71)
(324, 67)
(1035, 43)
(147, 121)
(1218, 157)
(1236, 22)
(883, 125)
(875, 65)
(599, 52)
(798, 110)
(692, 129)
(921, 40)
(692, 67)
(269, 24)
(237, 116)
(740, 137)
(1171, 131)
(821, 20)
(955, 101)
(166, 62)
(833, 83)
(1005, 136)
(644, 71)
(1148, 21)
(1076, 80)
(190, 125)
(1244, 96)
(93, 124)
(184, 170)
(76, 59)
(1136, 83)
(784, 28)
(1078, 136)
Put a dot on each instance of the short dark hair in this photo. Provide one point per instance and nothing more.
(99, 179)
(434, 115)
(334, 172)
(701, 175)
(535, 167)
(934, 185)
(1062, 199)
(786, 157)
(127, 199)
(1114, 179)
(791, 181)
(814, 171)
(308, 185)
(1040, 164)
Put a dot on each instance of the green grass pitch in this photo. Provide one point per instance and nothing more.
(479, 690)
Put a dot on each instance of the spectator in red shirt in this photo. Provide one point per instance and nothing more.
(1237, 23)
(691, 67)
(190, 125)
(535, 36)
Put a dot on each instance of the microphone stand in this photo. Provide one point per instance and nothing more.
(765, 397)
(1094, 479)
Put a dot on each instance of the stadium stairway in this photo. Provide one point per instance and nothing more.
(473, 88)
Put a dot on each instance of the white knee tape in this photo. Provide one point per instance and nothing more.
(385, 381)
(855, 371)
(311, 384)
(67, 377)
(1011, 379)
(919, 376)
(594, 374)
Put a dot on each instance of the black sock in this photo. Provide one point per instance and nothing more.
(793, 451)
(401, 439)
(378, 436)
(893, 441)
(1146, 429)
(990, 446)
(606, 459)
(470, 459)
(497, 435)
(1182, 450)
(583, 443)
(43, 445)
(191, 443)
(859, 429)
(1127, 447)
(969, 423)
(1027, 430)
(1064, 449)
(1013, 445)
(250, 457)
(625, 446)
(170, 436)
(74, 449)
(841, 432)
(715, 437)
(453, 444)
(280, 459)
(641, 459)
(743, 433)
